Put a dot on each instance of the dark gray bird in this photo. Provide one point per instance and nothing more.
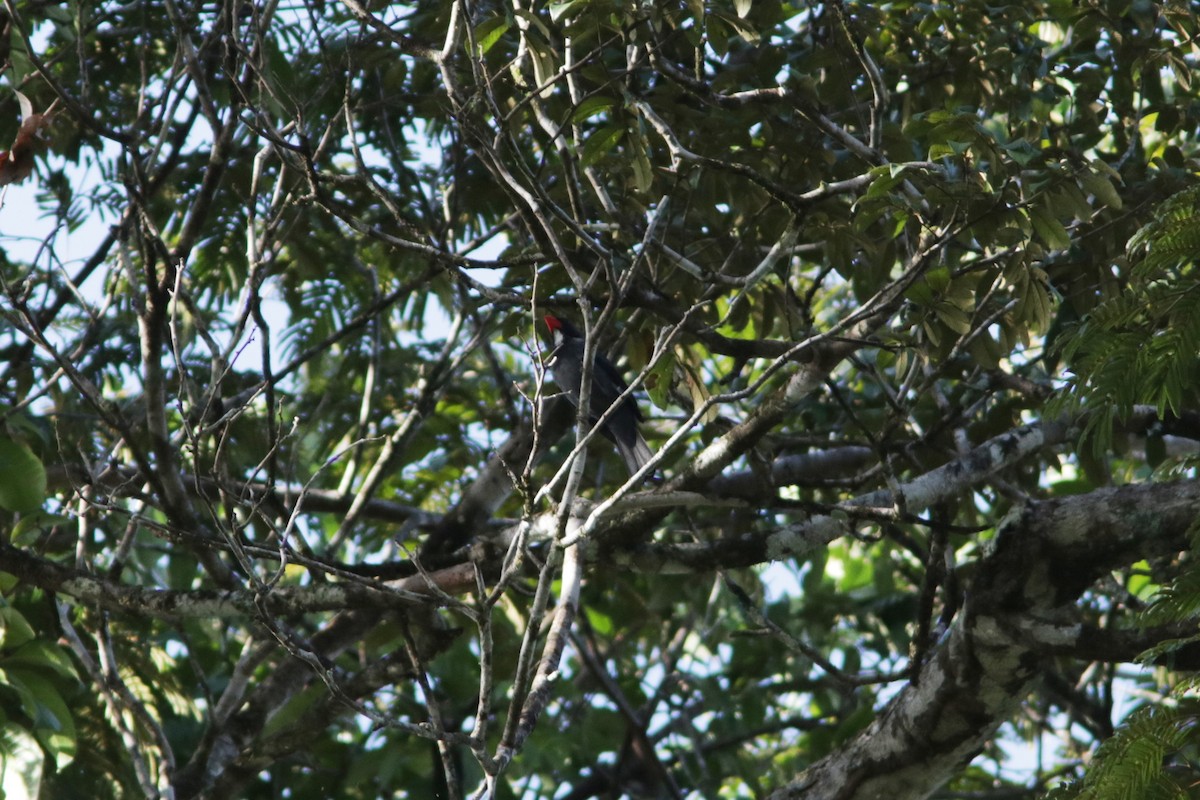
(566, 365)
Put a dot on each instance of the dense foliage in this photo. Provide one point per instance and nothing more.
(908, 292)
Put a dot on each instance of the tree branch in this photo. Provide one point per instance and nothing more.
(1044, 556)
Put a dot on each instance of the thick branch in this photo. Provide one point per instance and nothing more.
(1043, 558)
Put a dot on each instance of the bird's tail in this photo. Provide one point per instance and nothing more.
(636, 455)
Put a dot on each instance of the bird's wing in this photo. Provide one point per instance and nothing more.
(616, 384)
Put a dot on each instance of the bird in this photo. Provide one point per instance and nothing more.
(566, 365)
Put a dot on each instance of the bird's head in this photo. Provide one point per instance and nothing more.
(561, 329)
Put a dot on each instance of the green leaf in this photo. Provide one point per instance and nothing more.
(718, 33)
(591, 106)
(22, 758)
(658, 382)
(1140, 584)
(984, 349)
(544, 66)
(52, 722)
(1100, 186)
(22, 477)
(1051, 231)
(643, 173)
(954, 318)
(42, 655)
(15, 630)
(488, 32)
(1038, 308)
(600, 143)
(293, 709)
(693, 377)
(602, 624)
(938, 278)
(29, 528)
(536, 22)
(751, 35)
(920, 293)
(562, 11)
